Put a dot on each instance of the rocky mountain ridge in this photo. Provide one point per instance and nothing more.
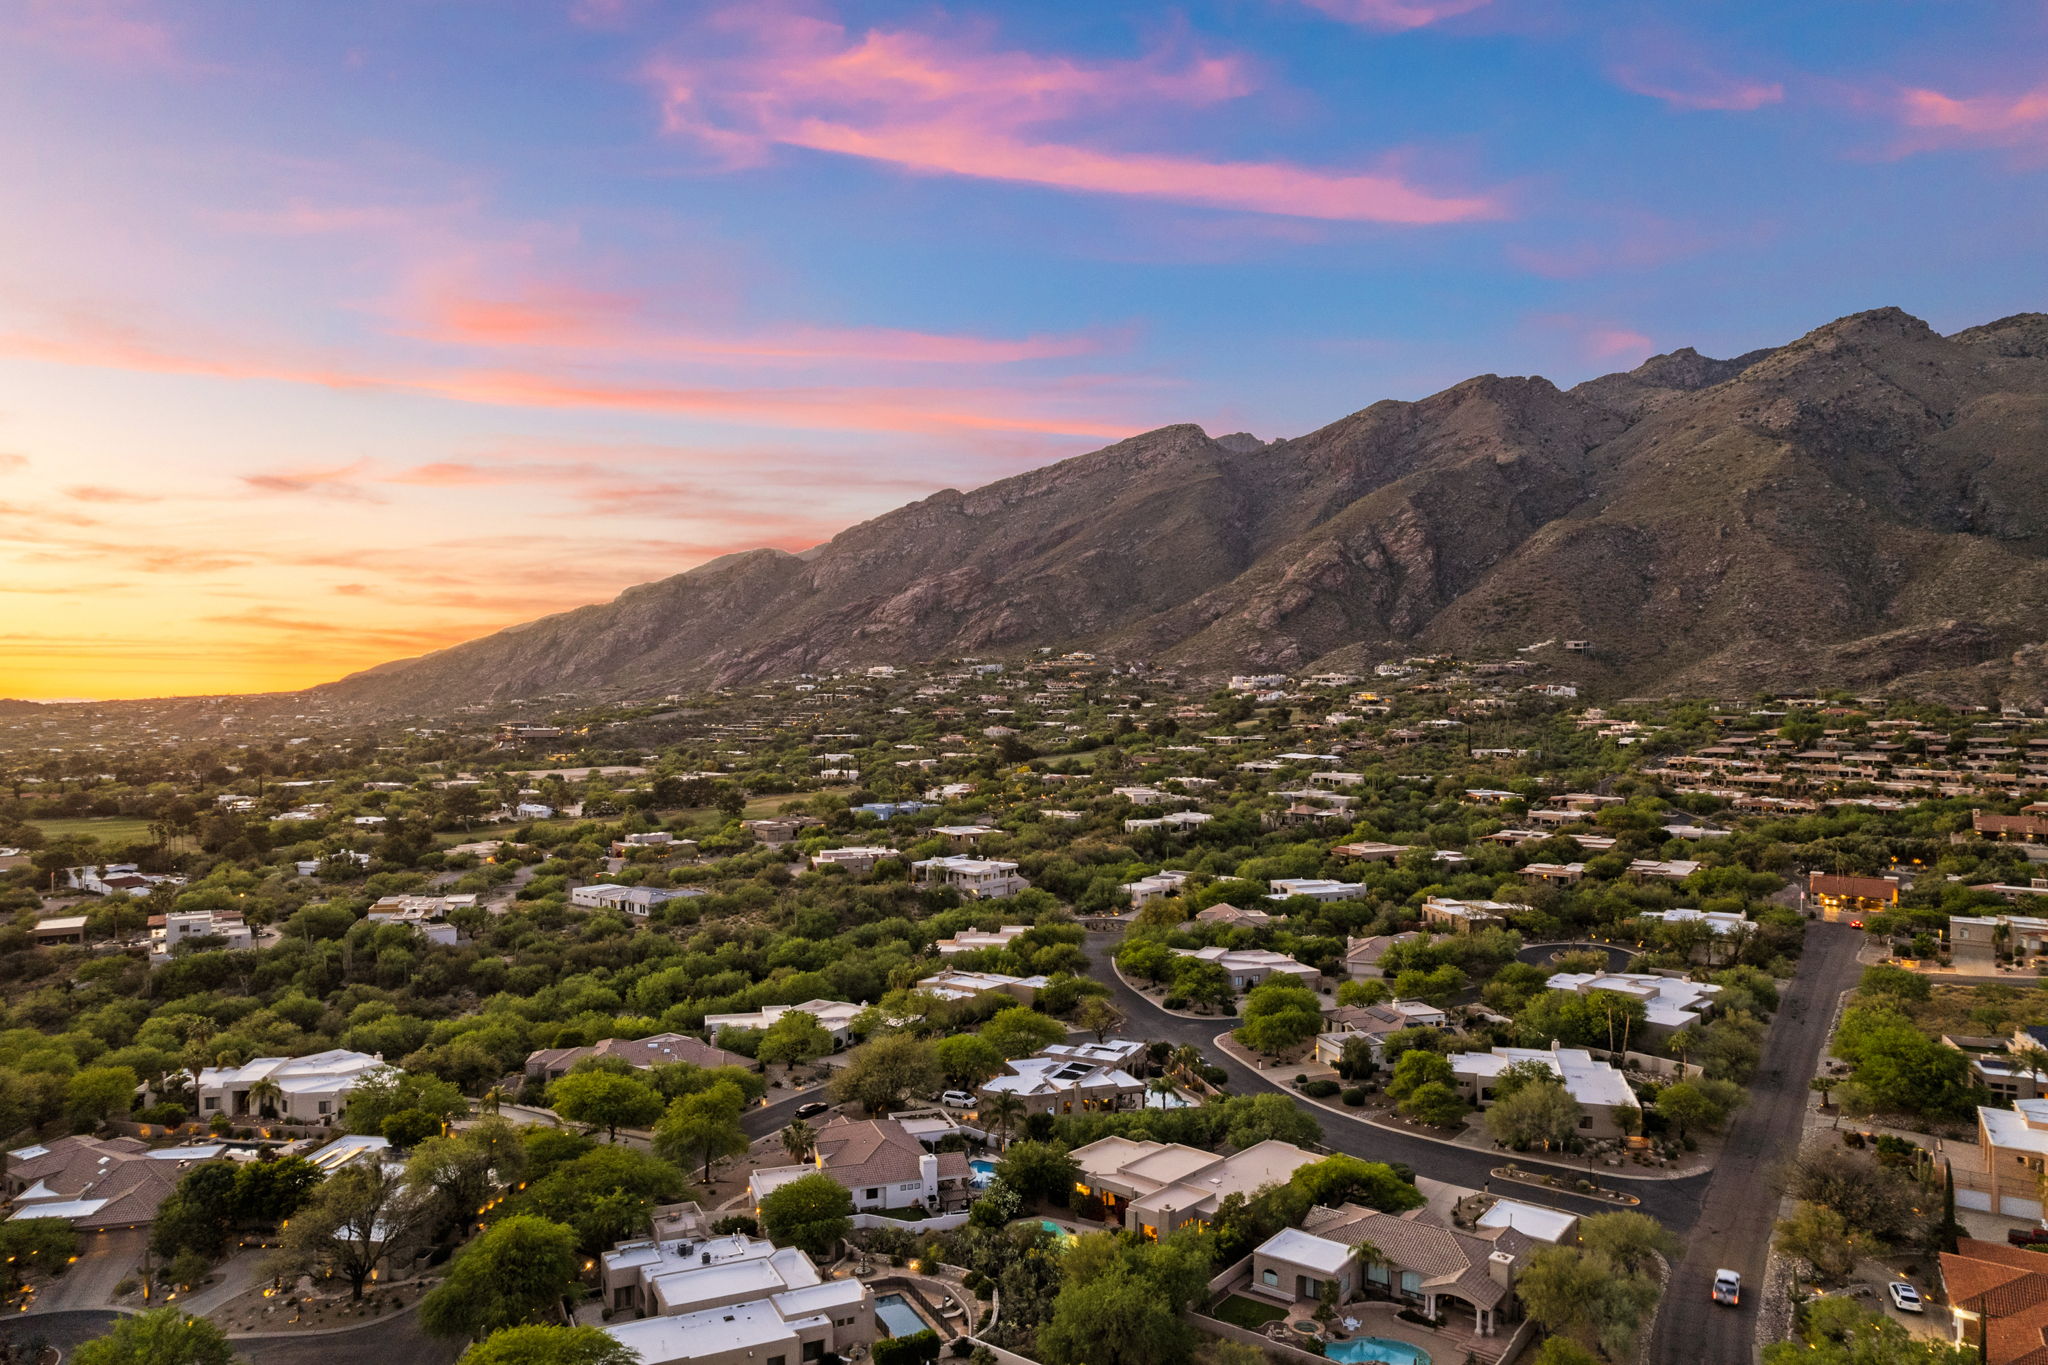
(1866, 506)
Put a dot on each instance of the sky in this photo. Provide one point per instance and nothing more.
(332, 334)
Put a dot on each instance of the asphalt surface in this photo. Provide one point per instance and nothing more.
(62, 1330)
(1741, 1205)
(395, 1340)
(1675, 1203)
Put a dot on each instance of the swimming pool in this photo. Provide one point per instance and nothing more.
(984, 1170)
(1376, 1348)
(897, 1317)
(1067, 1238)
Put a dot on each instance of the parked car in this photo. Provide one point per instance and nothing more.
(2036, 1238)
(1905, 1297)
(1727, 1287)
(958, 1099)
(811, 1109)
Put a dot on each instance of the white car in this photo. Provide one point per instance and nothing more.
(1727, 1287)
(958, 1099)
(1905, 1297)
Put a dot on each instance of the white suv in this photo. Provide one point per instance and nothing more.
(958, 1099)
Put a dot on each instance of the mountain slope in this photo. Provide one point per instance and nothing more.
(1865, 505)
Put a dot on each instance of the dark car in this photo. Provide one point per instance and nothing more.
(2035, 1238)
(811, 1109)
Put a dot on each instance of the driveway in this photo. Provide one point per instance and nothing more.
(1675, 1203)
(1741, 1205)
(104, 1260)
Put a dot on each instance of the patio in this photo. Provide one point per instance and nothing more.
(1448, 1345)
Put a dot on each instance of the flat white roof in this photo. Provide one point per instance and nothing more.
(1305, 1248)
(1548, 1225)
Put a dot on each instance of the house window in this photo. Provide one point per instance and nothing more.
(1270, 1277)
(1411, 1282)
(814, 1350)
(1379, 1274)
(1585, 1120)
(777, 1360)
(875, 1193)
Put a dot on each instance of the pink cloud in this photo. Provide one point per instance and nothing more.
(1631, 241)
(586, 319)
(1992, 119)
(118, 33)
(898, 409)
(10, 462)
(937, 106)
(1688, 84)
(99, 493)
(341, 481)
(1396, 14)
(1608, 343)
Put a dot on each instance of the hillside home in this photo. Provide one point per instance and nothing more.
(1838, 898)
(1601, 1091)
(657, 841)
(98, 1184)
(1720, 923)
(1998, 1301)
(975, 878)
(1158, 886)
(857, 860)
(117, 879)
(1669, 1002)
(1315, 888)
(1065, 1085)
(882, 1164)
(1463, 917)
(1375, 1024)
(1368, 851)
(1229, 916)
(181, 926)
(309, 1089)
(639, 902)
(1247, 967)
(955, 985)
(973, 940)
(1414, 1258)
(642, 1054)
(732, 1301)
(835, 1016)
(1153, 1188)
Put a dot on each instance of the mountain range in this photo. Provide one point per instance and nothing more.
(1866, 506)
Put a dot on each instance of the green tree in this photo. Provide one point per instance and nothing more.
(1435, 1104)
(1251, 1119)
(703, 1127)
(1279, 1014)
(881, 1073)
(549, 1345)
(812, 1212)
(1840, 1331)
(515, 1273)
(1099, 1016)
(1697, 1106)
(1631, 1242)
(606, 1100)
(605, 1194)
(799, 1140)
(796, 1037)
(97, 1093)
(163, 1337)
(354, 1220)
(1341, 1179)
(1416, 1069)
(967, 1059)
(1541, 1113)
(1038, 1170)
(1019, 1031)
(1818, 1235)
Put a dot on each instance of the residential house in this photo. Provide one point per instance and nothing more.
(1367, 851)
(1362, 956)
(60, 929)
(2004, 1173)
(1601, 1091)
(310, 1089)
(976, 878)
(1415, 1258)
(1315, 888)
(1158, 886)
(180, 926)
(660, 841)
(1465, 916)
(732, 1301)
(957, 985)
(858, 860)
(639, 902)
(1157, 1187)
(1375, 1024)
(973, 940)
(117, 879)
(1669, 1002)
(1662, 869)
(1174, 822)
(1065, 1085)
(1840, 898)
(98, 1184)
(1228, 915)
(1998, 1301)
(1721, 923)
(642, 1054)
(1247, 967)
(882, 1164)
(835, 1016)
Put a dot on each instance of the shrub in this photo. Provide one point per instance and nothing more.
(1355, 1096)
(1215, 1075)
(1321, 1089)
(1174, 1002)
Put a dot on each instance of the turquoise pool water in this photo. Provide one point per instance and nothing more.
(1056, 1230)
(984, 1170)
(1379, 1349)
(897, 1317)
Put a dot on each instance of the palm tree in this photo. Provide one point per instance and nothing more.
(1003, 1113)
(493, 1099)
(1162, 1087)
(263, 1097)
(798, 1139)
(1187, 1059)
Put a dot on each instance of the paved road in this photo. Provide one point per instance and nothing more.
(1675, 1203)
(63, 1330)
(1734, 1228)
(393, 1341)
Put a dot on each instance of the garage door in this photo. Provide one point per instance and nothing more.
(1979, 1200)
(2019, 1208)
